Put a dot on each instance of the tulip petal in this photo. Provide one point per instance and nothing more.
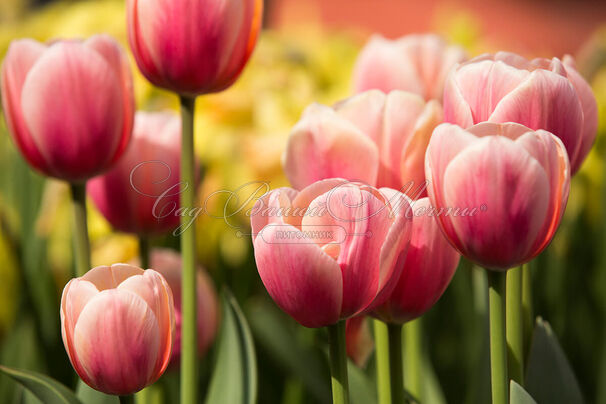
(20, 58)
(117, 341)
(513, 188)
(106, 277)
(304, 281)
(271, 208)
(545, 101)
(324, 145)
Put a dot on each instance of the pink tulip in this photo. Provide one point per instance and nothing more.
(140, 194)
(193, 47)
(359, 342)
(499, 189)
(427, 269)
(328, 252)
(372, 137)
(415, 63)
(118, 324)
(168, 264)
(540, 94)
(68, 104)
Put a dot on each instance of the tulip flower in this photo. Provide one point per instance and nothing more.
(359, 340)
(140, 194)
(415, 63)
(499, 189)
(426, 271)
(376, 138)
(68, 104)
(328, 252)
(168, 264)
(117, 325)
(193, 47)
(540, 94)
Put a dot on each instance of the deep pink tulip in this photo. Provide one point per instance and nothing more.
(118, 324)
(372, 137)
(427, 269)
(193, 47)
(168, 264)
(415, 63)
(540, 94)
(140, 194)
(329, 251)
(500, 190)
(68, 104)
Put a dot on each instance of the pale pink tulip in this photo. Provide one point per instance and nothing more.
(193, 47)
(415, 63)
(540, 94)
(328, 252)
(68, 104)
(499, 189)
(140, 194)
(376, 138)
(427, 269)
(168, 264)
(118, 326)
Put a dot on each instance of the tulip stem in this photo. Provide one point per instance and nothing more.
(188, 245)
(514, 325)
(144, 251)
(80, 229)
(527, 305)
(338, 363)
(382, 359)
(395, 363)
(413, 332)
(127, 399)
(498, 347)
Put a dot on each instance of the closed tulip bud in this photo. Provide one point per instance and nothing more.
(415, 63)
(359, 340)
(168, 264)
(117, 325)
(68, 104)
(376, 138)
(193, 47)
(140, 194)
(426, 271)
(328, 252)
(540, 94)
(499, 189)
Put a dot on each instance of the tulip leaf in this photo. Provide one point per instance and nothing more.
(361, 389)
(517, 395)
(549, 377)
(234, 379)
(47, 390)
(88, 395)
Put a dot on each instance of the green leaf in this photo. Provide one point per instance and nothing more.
(361, 389)
(549, 377)
(47, 390)
(517, 395)
(234, 379)
(88, 395)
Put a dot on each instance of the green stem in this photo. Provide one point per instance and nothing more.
(395, 363)
(413, 332)
(382, 355)
(188, 244)
(127, 399)
(80, 229)
(514, 325)
(144, 251)
(498, 348)
(338, 363)
(527, 305)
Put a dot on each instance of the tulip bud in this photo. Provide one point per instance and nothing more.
(193, 47)
(168, 264)
(328, 252)
(140, 194)
(118, 325)
(359, 340)
(429, 266)
(499, 189)
(376, 138)
(68, 105)
(415, 63)
(539, 94)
